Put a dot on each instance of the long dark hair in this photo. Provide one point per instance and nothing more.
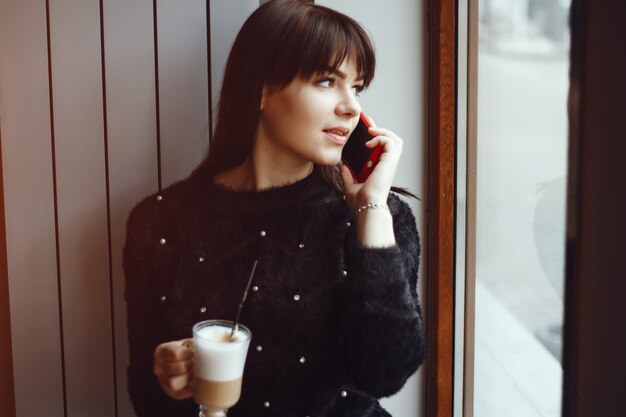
(281, 40)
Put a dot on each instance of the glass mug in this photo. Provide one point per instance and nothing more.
(218, 365)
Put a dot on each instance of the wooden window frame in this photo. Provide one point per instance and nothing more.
(442, 50)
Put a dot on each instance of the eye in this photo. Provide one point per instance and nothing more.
(327, 82)
(358, 89)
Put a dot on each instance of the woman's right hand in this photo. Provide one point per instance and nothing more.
(173, 362)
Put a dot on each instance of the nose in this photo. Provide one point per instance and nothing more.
(349, 105)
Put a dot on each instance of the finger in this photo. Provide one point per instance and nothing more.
(379, 140)
(186, 392)
(178, 382)
(173, 352)
(188, 343)
(379, 131)
(372, 143)
(383, 140)
(180, 395)
(178, 387)
(391, 149)
(370, 121)
(346, 175)
(168, 369)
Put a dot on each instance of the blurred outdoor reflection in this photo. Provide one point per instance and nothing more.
(521, 179)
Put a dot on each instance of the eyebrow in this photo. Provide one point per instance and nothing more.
(341, 74)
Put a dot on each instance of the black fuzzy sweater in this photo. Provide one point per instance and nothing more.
(334, 325)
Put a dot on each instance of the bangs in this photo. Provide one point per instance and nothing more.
(319, 41)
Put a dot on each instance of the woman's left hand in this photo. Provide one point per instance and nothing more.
(377, 186)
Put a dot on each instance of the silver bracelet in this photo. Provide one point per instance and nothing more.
(371, 206)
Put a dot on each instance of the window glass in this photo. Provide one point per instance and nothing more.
(523, 61)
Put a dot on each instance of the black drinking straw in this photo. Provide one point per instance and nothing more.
(245, 295)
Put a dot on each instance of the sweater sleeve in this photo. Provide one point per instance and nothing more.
(144, 322)
(383, 333)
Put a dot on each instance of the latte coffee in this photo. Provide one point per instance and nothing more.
(218, 365)
(216, 394)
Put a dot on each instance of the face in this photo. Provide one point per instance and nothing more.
(310, 120)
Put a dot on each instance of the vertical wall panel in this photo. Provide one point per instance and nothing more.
(131, 121)
(397, 100)
(183, 86)
(227, 17)
(82, 206)
(29, 208)
(7, 392)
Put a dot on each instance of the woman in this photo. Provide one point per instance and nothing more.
(333, 309)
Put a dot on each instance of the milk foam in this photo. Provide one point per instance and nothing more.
(217, 359)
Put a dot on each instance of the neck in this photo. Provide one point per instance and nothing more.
(261, 173)
(272, 167)
(269, 165)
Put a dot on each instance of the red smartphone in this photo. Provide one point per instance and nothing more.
(359, 159)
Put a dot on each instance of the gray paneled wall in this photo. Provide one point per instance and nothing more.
(183, 85)
(81, 206)
(227, 17)
(132, 141)
(101, 103)
(30, 207)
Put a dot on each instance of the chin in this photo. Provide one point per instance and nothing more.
(328, 160)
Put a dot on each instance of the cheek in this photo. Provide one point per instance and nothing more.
(285, 111)
(277, 116)
(296, 113)
(299, 106)
(313, 114)
(297, 119)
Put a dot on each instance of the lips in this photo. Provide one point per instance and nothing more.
(338, 135)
